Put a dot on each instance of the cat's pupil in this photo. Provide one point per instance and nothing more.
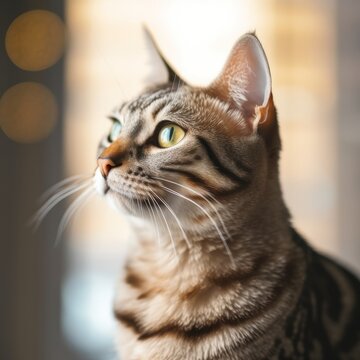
(169, 133)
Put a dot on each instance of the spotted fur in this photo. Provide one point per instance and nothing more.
(218, 271)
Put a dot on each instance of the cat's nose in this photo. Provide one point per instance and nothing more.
(113, 156)
(105, 165)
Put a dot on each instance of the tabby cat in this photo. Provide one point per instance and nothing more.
(218, 271)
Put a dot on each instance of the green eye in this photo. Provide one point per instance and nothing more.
(170, 135)
(115, 130)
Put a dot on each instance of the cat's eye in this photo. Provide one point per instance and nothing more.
(170, 135)
(115, 130)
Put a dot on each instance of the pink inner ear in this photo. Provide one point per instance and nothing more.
(245, 80)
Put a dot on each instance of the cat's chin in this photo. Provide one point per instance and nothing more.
(125, 207)
(118, 201)
(100, 183)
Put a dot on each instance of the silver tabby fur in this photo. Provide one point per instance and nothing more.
(218, 273)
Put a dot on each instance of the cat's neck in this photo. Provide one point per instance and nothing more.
(264, 270)
(245, 241)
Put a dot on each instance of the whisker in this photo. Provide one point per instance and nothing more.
(68, 190)
(208, 195)
(62, 183)
(175, 217)
(167, 225)
(157, 216)
(132, 205)
(148, 203)
(171, 191)
(75, 206)
(204, 198)
(54, 200)
(141, 209)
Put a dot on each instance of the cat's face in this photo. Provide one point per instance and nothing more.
(175, 146)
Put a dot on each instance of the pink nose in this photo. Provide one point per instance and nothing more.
(112, 156)
(105, 165)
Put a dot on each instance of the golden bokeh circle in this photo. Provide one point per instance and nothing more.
(35, 40)
(28, 112)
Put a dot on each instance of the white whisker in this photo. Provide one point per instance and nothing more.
(148, 204)
(175, 217)
(141, 209)
(54, 200)
(206, 199)
(208, 215)
(61, 184)
(75, 206)
(167, 225)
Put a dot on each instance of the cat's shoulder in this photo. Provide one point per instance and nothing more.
(324, 268)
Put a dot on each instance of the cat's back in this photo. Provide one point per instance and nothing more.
(326, 321)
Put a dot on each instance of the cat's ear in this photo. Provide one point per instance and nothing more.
(160, 71)
(245, 81)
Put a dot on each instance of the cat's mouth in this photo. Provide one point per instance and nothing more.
(129, 201)
(129, 190)
(124, 193)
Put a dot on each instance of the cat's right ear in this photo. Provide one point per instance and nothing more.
(245, 81)
(160, 72)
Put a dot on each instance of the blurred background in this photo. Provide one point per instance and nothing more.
(65, 64)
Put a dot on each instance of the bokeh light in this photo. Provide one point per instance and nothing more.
(35, 40)
(28, 112)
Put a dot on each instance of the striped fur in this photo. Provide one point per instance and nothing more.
(218, 272)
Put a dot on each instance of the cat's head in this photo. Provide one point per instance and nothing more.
(189, 151)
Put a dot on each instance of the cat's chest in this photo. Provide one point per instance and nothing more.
(164, 320)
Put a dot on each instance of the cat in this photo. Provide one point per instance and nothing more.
(219, 272)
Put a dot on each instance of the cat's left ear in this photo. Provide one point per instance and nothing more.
(160, 72)
(245, 81)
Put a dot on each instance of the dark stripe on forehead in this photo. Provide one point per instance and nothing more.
(159, 108)
(145, 100)
(121, 107)
(154, 97)
(134, 105)
(223, 170)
